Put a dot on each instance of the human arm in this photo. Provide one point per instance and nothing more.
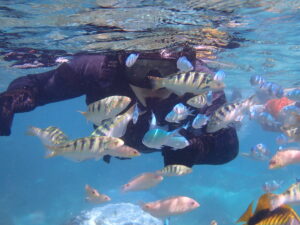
(83, 75)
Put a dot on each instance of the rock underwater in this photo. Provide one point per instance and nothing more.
(115, 214)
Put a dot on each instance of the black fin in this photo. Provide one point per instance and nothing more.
(106, 158)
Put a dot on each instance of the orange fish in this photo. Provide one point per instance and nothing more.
(94, 196)
(170, 206)
(284, 215)
(274, 106)
(143, 182)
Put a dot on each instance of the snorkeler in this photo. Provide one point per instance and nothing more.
(101, 75)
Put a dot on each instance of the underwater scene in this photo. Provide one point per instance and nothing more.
(176, 112)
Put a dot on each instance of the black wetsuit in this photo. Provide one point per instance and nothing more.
(100, 76)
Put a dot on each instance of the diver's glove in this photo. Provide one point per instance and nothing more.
(13, 101)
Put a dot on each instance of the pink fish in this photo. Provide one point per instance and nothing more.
(170, 206)
(142, 182)
(94, 196)
(284, 157)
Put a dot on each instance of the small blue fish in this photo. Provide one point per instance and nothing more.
(271, 89)
(257, 80)
(136, 113)
(209, 98)
(282, 139)
(199, 121)
(157, 138)
(220, 75)
(184, 65)
(131, 59)
(177, 142)
(270, 186)
(178, 113)
(293, 95)
(260, 152)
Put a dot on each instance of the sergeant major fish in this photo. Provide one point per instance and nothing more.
(93, 196)
(187, 82)
(85, 148)
(115, 127)
(227, 114)
(49, 136)
(262, 215)
(174, 170)
(106, 108)
(290, 196)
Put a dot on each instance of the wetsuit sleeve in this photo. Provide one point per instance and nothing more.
(69, 80)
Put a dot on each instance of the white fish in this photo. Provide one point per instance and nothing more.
(178, 113)
(184, 65)
(131, 59)
(199, 121)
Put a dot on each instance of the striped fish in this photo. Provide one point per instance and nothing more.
(201, 100)
(49, 136)
(290, 196)
(227, 114)
(174, 170)
(283, 215)
(106, 108)
(85, 148)
(187, 82)
(115, 127)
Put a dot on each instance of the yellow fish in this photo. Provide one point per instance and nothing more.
(283, 215)
(187, 82)
(175, 170)
(49, 136)
(106, 108)
(85, 148)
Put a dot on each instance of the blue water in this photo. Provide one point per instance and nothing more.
(39, 191)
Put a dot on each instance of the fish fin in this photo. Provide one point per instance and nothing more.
(247, 214)
(156, 82)
(107, 158)
(50, 154)
(263, 202)
(143, 93)
(32, 131)
(245, 154)
(83, 113)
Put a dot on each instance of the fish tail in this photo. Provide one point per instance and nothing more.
(276, 201)
(83, 113)
(156, 82)
(247, 215)
(33, 131)
(50, 154)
